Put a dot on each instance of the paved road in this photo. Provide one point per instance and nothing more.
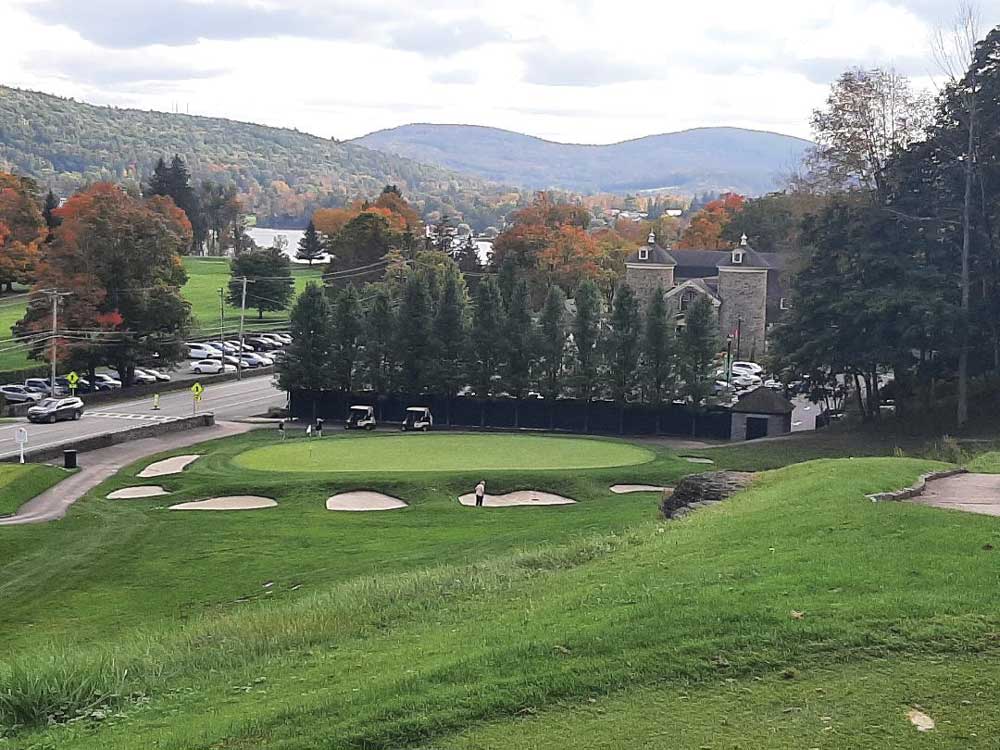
(231, 400)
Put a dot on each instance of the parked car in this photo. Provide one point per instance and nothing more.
(18, 394)
(278, 341)
(203, 351)
(360, 418)
(417, 418)
(56, 410)
(774, 385)
(106, 381)
(750, 368)
(138, 378)
(284, 338)
(744, 380)
(41, 385)
(259, 343)
(236, 345)
(82, 386)
(210, 367)
(262, 360)
(158, 375)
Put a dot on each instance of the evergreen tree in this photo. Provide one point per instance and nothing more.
(586, 335)
(552, 341)
(487, 335)
(347, 332)
(699, 345)
(507, 279)
(414, 333)
(623, 342)
(310, 246)
(174, 181)
(657, 350)
(450, 336)
(467, 256)
(51, 204)
(270, 286)
(519, 342)
(159, 183)
(380, 337)
(308, 359)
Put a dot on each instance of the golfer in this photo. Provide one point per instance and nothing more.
(319, 427)
(281, 429)
(480, 493)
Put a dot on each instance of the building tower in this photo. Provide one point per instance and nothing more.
(649, 267)
(743, 291)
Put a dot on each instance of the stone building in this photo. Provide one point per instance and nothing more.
(761, 413)
(744, 286)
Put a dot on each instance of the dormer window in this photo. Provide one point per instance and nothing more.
(737, 257)
(643, 253)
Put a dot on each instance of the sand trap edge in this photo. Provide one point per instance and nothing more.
(360, 501)
(628, 489)
(231, 502)
(138, 493)
(518, 498)
(168, 466)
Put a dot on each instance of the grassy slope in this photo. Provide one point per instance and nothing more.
(443, 452)
(18, 484)
(689, 616)
(205, 277)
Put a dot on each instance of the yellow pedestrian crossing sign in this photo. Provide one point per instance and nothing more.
(197, 389)
(72, 379)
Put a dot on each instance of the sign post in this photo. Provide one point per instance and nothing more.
(73, 379)
(21, 436)
(196, 390)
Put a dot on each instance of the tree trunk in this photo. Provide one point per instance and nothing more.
(963, 355)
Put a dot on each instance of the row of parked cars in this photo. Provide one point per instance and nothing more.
(260, 350)
(744, 376)
(36, 389)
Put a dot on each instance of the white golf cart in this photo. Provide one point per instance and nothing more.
(417, 418)
(360, 418)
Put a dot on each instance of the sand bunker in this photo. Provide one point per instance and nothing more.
(363, 500)
(521, 497)
(233, 502)
(697, 460)
(167, 466)
(134, 493)
(627, 489)
(972, 493)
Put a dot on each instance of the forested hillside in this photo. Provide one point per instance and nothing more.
(282, 175)
(749, 162)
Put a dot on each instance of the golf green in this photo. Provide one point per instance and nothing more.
(462, 452)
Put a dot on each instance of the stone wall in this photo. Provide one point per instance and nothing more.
(644, 281)
(701, 490)
(744, 301)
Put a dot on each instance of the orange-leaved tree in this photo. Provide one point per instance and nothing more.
(22, 230)
(706, 227)
(118, 258)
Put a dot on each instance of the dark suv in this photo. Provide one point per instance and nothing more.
(56, 410)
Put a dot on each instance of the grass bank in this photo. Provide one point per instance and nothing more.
(18, 484)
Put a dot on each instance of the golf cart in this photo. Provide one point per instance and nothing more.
(418, 418)
(360, 418)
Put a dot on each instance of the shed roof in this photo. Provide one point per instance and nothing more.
(763, 401)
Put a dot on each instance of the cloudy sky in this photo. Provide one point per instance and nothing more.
(590, 71)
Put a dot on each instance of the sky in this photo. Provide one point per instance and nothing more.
(590, 71)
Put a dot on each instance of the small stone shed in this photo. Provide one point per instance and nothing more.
(761, 413)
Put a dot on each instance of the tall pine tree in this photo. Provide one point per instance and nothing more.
(450, 336)
(657, 368)
(552, 342)
(380, 343)
(413, 334)
(307, 362)
(586, 335)
(487, 336)
(310, 246)
(623, 343)
(519, 341)
(699, 345)
(347, 333)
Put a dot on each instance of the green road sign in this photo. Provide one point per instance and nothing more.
(197, 389)
(72, 379)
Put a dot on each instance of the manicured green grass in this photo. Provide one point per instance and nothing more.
(441, 452)
(985, 463)
(595, 625)
(20, 483)
(205, 277)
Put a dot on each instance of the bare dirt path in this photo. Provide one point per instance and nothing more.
(972, 493)
(96, 466)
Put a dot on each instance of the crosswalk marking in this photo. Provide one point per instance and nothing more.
(137, 417)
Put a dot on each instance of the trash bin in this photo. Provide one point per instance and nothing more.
(69, 459)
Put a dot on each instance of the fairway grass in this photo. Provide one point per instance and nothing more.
(797, 614)
(441, 453)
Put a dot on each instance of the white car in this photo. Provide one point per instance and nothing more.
(158, 374)
(107, 381)
(743, 380)
(774, 385)
(210, 367)
(18, 394)
(262, 360)
(750, 368)
(203, 351)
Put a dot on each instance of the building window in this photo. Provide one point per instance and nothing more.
(643, 254)
(737, 258)
(686, 299)
(784, 304)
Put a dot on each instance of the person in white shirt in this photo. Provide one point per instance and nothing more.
(480, 493)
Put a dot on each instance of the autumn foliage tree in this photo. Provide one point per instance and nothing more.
(119, 259)
(707, 226)
(22, 230)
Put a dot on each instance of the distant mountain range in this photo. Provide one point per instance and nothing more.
(283, 175)
(704, 159)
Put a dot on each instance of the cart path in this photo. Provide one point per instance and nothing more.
(98, 465)
(972, 493)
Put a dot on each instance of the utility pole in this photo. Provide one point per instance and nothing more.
(222, 322)
(243, 309)
(54, 295)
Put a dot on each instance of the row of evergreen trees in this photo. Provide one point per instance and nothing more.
(426, 335)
